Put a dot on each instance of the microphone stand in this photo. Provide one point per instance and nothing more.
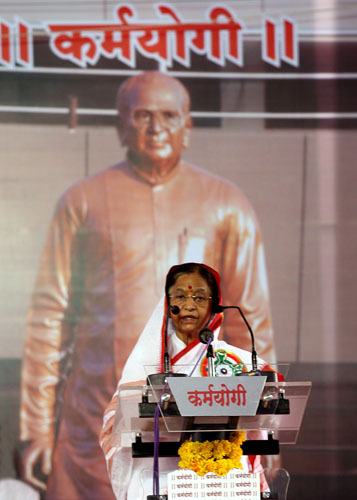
(210, 360)
(271, 375)
(254, 352)
(161, 378)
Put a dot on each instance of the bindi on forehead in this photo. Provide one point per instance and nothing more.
(189, 287)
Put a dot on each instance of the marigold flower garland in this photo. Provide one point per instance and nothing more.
(219, 456)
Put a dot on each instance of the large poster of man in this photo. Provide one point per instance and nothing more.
(189, 161)
(103, 269)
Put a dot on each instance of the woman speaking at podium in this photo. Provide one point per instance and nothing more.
(170, 340)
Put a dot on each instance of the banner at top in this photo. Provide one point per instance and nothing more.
(167, 39)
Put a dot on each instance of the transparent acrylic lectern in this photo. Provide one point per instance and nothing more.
(209, 408)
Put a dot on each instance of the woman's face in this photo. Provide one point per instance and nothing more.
(192, 295)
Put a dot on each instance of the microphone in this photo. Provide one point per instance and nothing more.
(205, 335)
(219, 309)
(175, 310)
(160, 378)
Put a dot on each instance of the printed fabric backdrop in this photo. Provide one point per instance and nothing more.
(274, 110)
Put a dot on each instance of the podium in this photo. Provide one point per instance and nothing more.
(201, 408)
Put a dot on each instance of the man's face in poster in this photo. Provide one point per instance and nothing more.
(154, 123)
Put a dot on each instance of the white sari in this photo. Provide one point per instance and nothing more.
(131, 479)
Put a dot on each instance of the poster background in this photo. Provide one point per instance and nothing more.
(299, 175)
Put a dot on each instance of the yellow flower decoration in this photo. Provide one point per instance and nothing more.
(219, 456)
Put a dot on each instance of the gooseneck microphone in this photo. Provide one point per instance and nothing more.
(220, 309)
(161, 378)
(175, 310)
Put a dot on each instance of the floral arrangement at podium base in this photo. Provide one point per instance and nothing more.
(219, 456)
(213, 469)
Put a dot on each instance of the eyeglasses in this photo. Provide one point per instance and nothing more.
(168, 118)
(180, 299)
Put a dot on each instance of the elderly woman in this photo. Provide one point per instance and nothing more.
(192, 295)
